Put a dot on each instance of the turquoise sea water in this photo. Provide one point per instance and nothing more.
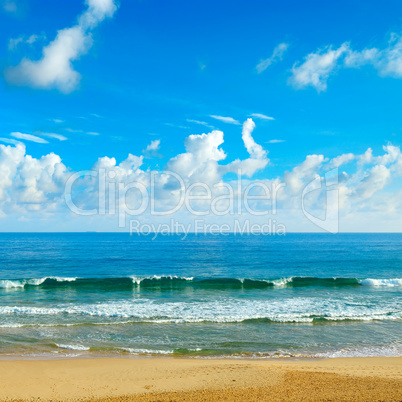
(299, 295)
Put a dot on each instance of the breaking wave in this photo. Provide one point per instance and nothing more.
(178, 282)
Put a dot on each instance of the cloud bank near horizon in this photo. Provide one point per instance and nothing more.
(35, 186)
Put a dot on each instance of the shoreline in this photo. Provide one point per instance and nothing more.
(132, 356)
(60, 356)
(153, 378)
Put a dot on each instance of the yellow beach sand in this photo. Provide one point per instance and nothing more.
(201, 379)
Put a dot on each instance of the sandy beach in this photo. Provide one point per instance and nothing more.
(178, 379)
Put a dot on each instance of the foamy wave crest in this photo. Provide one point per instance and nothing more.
(22, 283)
(396, 282)
(282, 282)
(156, 278)
(183, 282)
(72, 347)
(9, 284)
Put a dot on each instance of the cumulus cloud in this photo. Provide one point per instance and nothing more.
(277, 55)
(201, 158)
(303, 173)
(261, 116)
(341, 160)
(387, 61)
(36, 185)
(27, 183)
(367, 157)
(258, 155)
(28, 137)
(55, 68)
(317, 67)
(376, 180)
(229, 120)
(151, 150)
(203, 153)
(255, 150)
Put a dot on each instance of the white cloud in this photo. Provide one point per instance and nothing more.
(229, 120)
(92, 133)
(14, 42)
(153, 146)
(204, 152)
(341, 160)
(387, 61)
(261, 116)
(303, 173)
(27, 183)
(9, 6)
(376, 180)
(58, 121)
(152, 149)
(258, 156)
(29, 137)
(317, 68)
(176, 126)
(9, 141)
(255, 150)
(55, 69)
(200, 161)
(202, 123)
(277, 55)
(275, 141)
(367, 157)
(53, 135)
(30, 185)
(356, 59)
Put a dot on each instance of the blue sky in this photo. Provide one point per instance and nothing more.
(155, 68)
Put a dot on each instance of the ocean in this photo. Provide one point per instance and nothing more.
(112, 294)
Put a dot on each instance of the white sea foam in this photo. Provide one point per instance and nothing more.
(392, 350)
(223, 309)
(147, 351)
(396, 282)
(72, 347)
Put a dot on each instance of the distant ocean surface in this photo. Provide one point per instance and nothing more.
(299, 295)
